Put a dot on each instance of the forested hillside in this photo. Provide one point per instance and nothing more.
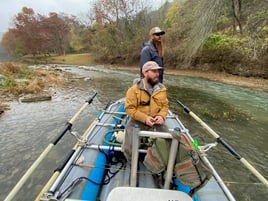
(221, 35)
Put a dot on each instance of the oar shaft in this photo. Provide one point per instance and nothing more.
(215, 135)
(28, 173)
(187, 110)
(57, 172)
(254, 171)
(69, 124)
(65, 161)
(212, 132)
(67, 127)
(89, 101)
(225, 144)
(229, 148)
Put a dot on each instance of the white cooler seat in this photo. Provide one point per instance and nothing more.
(146, 194)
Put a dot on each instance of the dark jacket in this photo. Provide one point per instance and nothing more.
(150, 53)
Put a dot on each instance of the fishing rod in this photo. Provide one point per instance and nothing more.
(225, 144)
(67, 127)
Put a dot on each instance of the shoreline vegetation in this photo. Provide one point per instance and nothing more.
(18, 80)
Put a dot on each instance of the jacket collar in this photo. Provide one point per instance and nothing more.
(156, 87)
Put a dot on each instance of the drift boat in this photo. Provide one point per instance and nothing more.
(96, 168)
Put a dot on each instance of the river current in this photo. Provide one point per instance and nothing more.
(237, 114)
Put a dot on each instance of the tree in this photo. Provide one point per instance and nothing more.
(13, 45)
(115, 28)
(258, 34)
(56, 30)
(81, 38)
(236, 8)
(39, 34)
(27, 30)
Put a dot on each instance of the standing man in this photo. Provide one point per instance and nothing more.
(153, 50)
(147, 105)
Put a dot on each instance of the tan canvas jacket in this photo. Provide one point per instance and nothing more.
(139, 103)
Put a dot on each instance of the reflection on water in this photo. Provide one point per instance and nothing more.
(238, 115)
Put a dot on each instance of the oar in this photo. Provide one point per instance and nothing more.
(225, 144)
(67, 127)
(73, 152)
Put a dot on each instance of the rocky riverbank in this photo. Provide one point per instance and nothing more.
(18, 82)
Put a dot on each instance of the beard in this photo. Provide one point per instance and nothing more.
(152, 82)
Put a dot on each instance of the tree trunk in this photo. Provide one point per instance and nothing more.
(236, 6)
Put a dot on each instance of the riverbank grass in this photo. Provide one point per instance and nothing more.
(17, 79)
(69, 59)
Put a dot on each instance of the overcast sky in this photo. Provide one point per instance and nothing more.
(9, 8)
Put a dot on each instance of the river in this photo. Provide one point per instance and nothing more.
(238, 114)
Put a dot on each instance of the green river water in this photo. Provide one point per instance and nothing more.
(237, 114)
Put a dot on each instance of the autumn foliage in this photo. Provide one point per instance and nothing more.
(38, 34)
(228, 36)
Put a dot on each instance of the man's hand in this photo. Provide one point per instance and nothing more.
(150, 121)
(159, 120)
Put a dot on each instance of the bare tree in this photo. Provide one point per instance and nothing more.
(236, 8)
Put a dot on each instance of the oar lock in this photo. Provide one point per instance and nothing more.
(205, 148)
(201, 150)
(78, 137)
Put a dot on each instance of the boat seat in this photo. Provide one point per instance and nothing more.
(145, 194)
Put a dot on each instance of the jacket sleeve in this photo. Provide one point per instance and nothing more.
(164, 109)
(159, 103)
(131, 106)
(145, 56)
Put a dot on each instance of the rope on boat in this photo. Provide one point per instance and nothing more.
(116, 117)
(80, 139)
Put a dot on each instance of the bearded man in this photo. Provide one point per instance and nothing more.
(146, 104)
(153, 50)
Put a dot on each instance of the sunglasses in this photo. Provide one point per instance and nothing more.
(157, 34)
